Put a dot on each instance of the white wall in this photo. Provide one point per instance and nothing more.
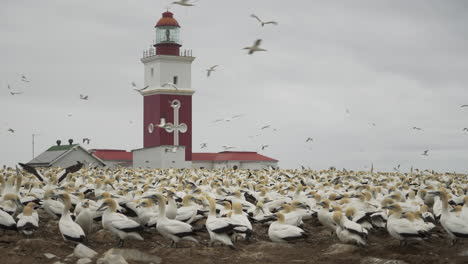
(77, 155)
(252, 165)
(257, 165)
(204, 164)
(159, 158)
(165, 67)
(113, 163)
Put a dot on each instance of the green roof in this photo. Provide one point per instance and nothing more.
(61, 148)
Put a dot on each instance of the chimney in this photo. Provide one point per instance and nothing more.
(59, 142)
(70, 141)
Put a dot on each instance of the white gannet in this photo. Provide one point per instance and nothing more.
(325, 216)
(281, 232)
(403, 229)
(147, 213)
(219, 229)
(255, 47)
(52, 207)
(171, 210)
(172, 229)
(28, 221)
(118, 224)
(348, 231)
(244, 228)
(85, 218)
(70, 230)
(7, 222)
(456, 227)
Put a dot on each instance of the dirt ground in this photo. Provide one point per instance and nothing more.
(16, 248)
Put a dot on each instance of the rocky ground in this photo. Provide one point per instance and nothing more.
(318, 248)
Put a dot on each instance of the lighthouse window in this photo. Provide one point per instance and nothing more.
(174, 80)
(152, 72)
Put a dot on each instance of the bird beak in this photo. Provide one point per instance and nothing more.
(18, 203)
(102, 207)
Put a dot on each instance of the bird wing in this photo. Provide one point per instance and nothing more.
(404, 228)
(71, 229)
(175, 227)
(70, 169)
(185, 213)
(355, 228)
(258, 42)
(456, 225)
(219, 225)
(33, 171)
(287, 231)
(126, 225)
(256, 17)
(271, 22)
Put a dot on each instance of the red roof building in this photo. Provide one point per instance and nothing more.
(114, 157)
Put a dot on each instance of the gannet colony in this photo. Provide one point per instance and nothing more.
(232, 210)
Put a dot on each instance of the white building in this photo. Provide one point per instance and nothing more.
(232, 160)
(64, 156)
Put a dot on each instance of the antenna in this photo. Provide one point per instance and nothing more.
(33, 136)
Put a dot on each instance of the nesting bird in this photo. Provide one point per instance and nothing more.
(118, 224)
(281, 232)
(28, 220)
(172, 229)
(70, 230)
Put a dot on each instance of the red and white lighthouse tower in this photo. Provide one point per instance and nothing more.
(168, 99)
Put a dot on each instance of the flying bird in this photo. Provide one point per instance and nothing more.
(173, 150)
(264, 23)
(264, 147)
(228, 147)
(265, 127)
(24, 78)
(417, 128)
(347, 111)
(170, 84)
(211, 69)
(465, 129)
(397, 168)
(425, 153)
(203, 145)
(255, 47)
(11, 130)
(139, 90)
(83, 97)
(218, 120)
(309, 139)
(86, 140)
(464, 106)
(11, 91)
(182, 3)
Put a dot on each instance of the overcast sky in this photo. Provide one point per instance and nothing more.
(395, 63)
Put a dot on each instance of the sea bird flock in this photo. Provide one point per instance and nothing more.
(230, 205)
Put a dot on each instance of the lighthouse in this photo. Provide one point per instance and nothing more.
(167, 102)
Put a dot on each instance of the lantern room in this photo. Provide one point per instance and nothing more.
(167, 35)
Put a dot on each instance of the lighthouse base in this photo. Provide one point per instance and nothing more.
(161, 157)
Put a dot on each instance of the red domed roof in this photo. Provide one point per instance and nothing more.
(167, 19)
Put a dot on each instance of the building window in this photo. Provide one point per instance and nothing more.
(174, 80)
(152, 72)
